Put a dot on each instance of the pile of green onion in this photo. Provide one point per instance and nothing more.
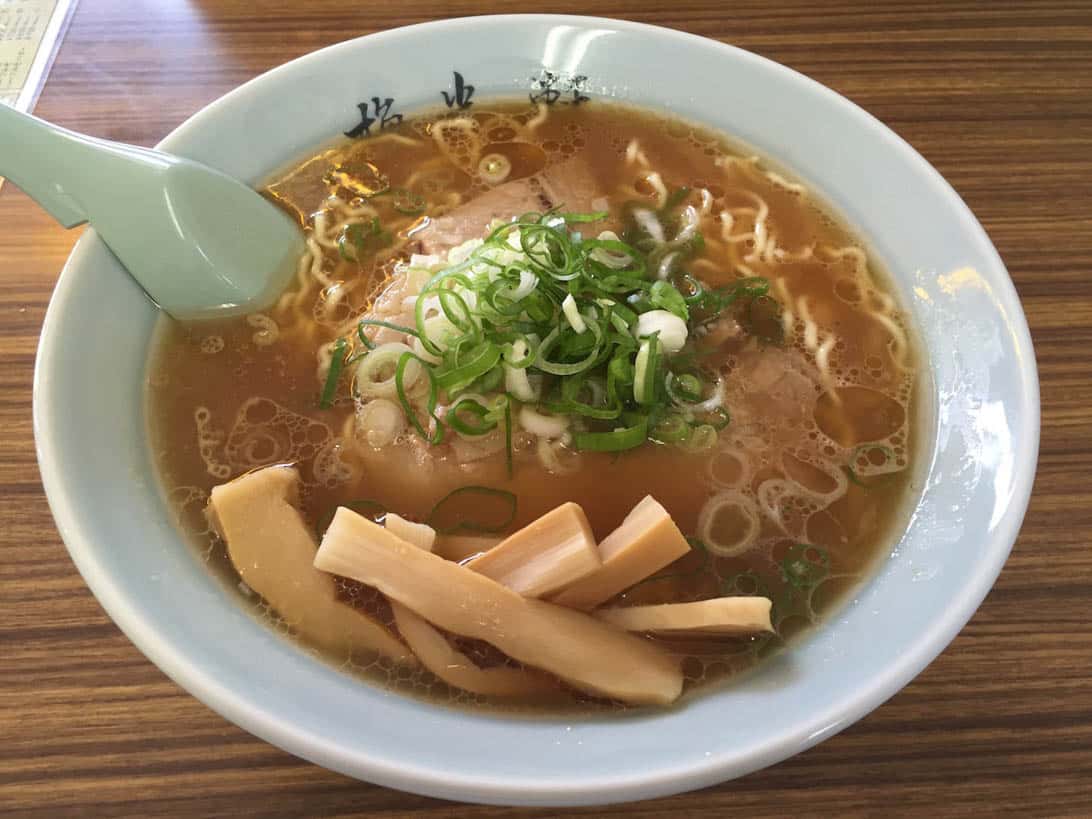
(598, 332)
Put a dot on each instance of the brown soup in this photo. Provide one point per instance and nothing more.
(793, 498)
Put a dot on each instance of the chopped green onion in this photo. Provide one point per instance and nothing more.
(624, 313)
(646, 369)
(549, 250)
(634, 268)
(359, 237)
(408, 202)
(463, 372)
(675, 198)
(671, 429)
(567, 368)
(478, 498)
(751, 287)
(491, 380)
(595, 216)
(683, 389)
(400, 328)
(399, 386)
(351, 242)
(337, 361)
(718, 418)
(520, 354)
(455, 308)
(619, 323)
(616, 440)
(572, 314)
(367, 342)
(474, 408)
(620, 374)
(570, 402)
(718, 299)
(666, 297)
(693, 246)
(805, 566)
(702, 438)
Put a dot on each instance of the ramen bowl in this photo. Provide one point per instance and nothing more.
(980, 416)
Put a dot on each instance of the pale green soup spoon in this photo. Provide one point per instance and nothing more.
(200, 243)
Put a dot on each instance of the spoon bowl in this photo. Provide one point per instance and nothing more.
(199, 242)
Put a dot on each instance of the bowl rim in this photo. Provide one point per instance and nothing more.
(822, 723)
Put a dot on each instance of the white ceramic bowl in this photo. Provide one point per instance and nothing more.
(98, 473)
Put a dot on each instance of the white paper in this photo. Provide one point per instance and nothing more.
(30, 31)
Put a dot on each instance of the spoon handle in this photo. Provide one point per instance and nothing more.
(35, 155)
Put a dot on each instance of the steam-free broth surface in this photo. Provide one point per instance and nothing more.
(817, 377)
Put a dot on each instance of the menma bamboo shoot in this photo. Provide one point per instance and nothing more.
(583, 651)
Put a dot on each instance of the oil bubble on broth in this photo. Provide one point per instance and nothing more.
(803, 484)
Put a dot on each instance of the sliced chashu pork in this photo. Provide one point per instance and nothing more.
(570, 185)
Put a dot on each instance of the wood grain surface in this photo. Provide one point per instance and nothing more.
(998, 96)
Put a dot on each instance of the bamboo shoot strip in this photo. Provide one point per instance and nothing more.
(646, 541)
(456, 669)
(420, 535)
(437, 654)
(545, 556)
(721, 615)
(272, 549)
(581, 650)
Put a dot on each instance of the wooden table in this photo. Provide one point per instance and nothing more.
(999, 99)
